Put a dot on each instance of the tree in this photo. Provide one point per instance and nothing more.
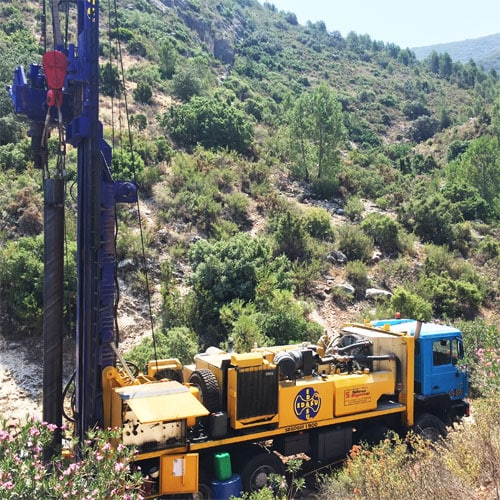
(168, 58)
(211, 123)
(143, 93)
(231, 270)
(445, 65)
(316, 131)
(479, 166)
(433, 61)
(423, 128)
(291, 236)
(191, 79)
(111, 84)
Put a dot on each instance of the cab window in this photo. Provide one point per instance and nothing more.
(441, 352)
(445, 352)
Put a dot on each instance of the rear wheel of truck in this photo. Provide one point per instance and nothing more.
(208, 386)
(430, 427)
(256, 473)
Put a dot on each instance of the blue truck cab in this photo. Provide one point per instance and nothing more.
(441, 383)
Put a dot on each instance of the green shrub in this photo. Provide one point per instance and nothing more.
(21, 282)
(284, 320)
(451, 298)
(357, 276)
(354, 208)
(211, 123)
(489, 247)
(178, 342)
(15, 156)
(227, 270)
(126, 165)
(385, 232)
(291, 236)
(482, 356)
(236, 206)
(110, 82)
(432, 218)
(354, 243)
(324, 188)
(410, 305)
(143, 93)
(318, 224)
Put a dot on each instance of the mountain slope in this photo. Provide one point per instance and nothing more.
(239, 60)
(485, 51)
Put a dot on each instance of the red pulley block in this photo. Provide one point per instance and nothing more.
(55, 66)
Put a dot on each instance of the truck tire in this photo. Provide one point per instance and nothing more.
(430, 427)
(256, 472)
(208, 386)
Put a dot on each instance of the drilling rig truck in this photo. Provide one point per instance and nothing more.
(252, 409)
(224, 423)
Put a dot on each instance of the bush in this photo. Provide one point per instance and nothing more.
(324, 188)
(385, 232)
(284, 320)
(414, 110)
(110, 82)
(318, 224)
(389, 471)
(101, 471)
(178, 342)
(451, 298)
(410, 305)
(482, 356)
(357, 276)
(423, 128)
(354, 208)
(291, 237)
(229, 270)
(433, 219)
(21, 282)
(143, 93)
(211, 123)
(126, 165)
(355, 244)
(11, 130)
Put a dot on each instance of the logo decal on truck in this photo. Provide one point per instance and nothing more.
(307, 403)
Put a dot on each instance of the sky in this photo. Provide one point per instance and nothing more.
(407, 24)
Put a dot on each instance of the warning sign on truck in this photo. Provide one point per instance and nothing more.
(357, 396)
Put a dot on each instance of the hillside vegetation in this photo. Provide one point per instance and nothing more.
(285, 170)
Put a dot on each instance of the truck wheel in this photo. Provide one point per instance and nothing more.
(204, 492)
(256, 472)
(208, 386)
(430, 427)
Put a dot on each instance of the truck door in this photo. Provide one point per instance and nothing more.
(446, 376)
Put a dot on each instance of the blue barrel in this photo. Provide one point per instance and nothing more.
(223, 490)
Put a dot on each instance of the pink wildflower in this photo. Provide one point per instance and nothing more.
(8, 485)
(119, 466)
(34, 432)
